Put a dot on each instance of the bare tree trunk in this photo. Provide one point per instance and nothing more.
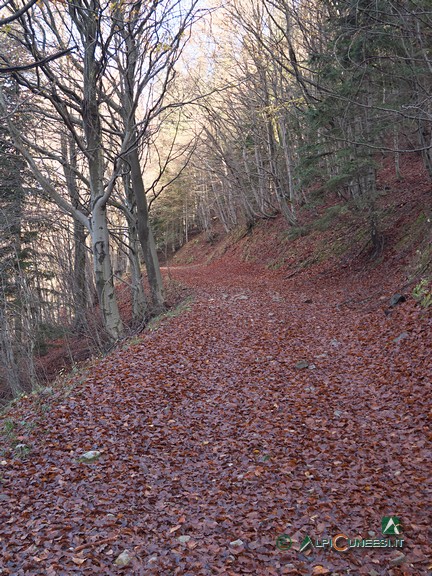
(79, 275)
(397, 153)
(285, 209)
(8, 357)
(145, 233)
(139, 302)
(79, 283)
(104, 274)
(425, 138)
(94, 152)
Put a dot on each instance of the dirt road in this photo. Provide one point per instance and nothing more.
(269, 406)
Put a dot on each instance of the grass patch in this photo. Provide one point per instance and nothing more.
(422, 266)
(184, 306)
(297, 232)
(8, 430)
(9, 433)
(132, 342)
(412, 233)
(276, 264)
(28, 425)
(21, 451)
(326, 221)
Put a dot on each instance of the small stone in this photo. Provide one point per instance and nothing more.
(124, 559)
(236, 543)
(90, 456)
(401, 337)
(396, 299)
(289, 568)
(397, 559)
(373, 572)
(335, 343)
(184, 539)
(337, 413)
(302, 364)
(312, 367)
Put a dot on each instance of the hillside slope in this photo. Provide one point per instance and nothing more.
(332, 236)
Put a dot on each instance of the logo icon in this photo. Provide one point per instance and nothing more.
(283, 542)
(391, 525)
(307, 543)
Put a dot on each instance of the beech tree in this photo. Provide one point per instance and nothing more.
(79, 94)
(75, 104)
(145, 52)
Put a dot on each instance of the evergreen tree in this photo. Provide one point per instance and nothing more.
(15, 263)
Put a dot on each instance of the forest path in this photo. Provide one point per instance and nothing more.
(215, 440)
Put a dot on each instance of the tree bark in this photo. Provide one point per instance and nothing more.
(88, 26)
(79, 275)
(139, 301)
(103, 272)
(145, 233)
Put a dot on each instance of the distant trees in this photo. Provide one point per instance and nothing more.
(362, 81)
(12, 259)
(310, 93)
(21, 301)
(90, 81)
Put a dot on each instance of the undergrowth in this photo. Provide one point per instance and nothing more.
(156, 322)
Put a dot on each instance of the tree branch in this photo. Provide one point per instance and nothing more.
(18, 13)
(11, 69)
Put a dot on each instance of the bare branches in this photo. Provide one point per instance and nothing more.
(17, 13)
(39, 63)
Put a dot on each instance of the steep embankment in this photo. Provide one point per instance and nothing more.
(333, 237)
